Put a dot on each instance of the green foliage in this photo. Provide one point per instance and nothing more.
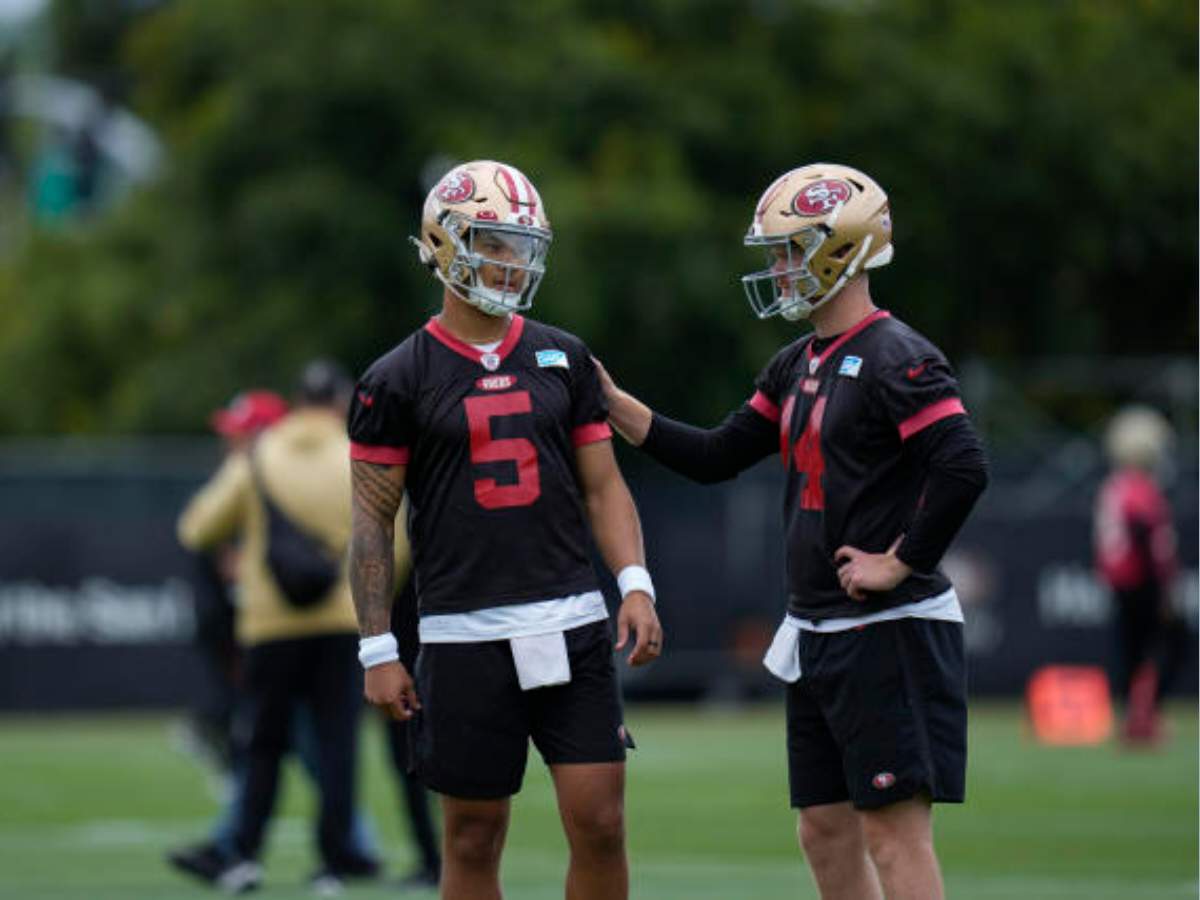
(1040, 157)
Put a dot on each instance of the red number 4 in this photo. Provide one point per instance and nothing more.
(810, 461)
(486, 449)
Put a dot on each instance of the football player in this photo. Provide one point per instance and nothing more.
(882, 466)
(1137, 558)
(496, 427)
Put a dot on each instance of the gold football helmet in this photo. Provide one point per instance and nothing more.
(820, 224)
(484, 234)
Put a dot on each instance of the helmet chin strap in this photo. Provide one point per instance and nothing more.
(803, 309)
(482, 298)
(481, 303)
(797, 311)
(800, 310)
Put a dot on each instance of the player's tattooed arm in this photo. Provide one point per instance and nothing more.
(377, 493)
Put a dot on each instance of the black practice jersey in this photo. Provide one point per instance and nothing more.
(845, 409)
(496, 511)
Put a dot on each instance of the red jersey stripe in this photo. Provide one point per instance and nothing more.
(591, 433)
(385, 456)
(843, 337)
(762, 405)
(951, 406)
(515, 327)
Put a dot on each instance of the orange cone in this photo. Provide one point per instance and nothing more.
(1070, 705)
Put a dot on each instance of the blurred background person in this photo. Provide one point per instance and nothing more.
(290, 491)
(213, 576)
(1136, 557)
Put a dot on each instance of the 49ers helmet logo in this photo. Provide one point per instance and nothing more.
(821, 197)
(457, 187)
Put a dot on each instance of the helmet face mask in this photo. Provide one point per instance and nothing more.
(821, 225)
(484, 235)
(787, 284)
(497, 267)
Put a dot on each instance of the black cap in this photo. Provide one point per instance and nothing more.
(323, 382)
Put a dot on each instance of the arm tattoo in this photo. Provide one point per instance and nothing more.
(377, 493)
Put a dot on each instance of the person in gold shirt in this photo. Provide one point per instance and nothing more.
(207, 732)
(299, 648)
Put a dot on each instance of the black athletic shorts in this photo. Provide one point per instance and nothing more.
(879, 715)
(471, 735)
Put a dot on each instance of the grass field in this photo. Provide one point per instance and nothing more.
(88, 805)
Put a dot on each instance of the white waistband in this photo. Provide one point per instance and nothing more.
(499, 623)
(943, 607)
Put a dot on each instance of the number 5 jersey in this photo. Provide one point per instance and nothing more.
(496, 514)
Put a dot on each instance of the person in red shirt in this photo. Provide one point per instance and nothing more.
(1135, 549)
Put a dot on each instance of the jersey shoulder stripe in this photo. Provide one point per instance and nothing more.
(935, 412)
(381, 455)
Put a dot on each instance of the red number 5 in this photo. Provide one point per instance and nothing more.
(486, 449)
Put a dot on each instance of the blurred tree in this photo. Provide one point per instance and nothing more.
(86, 38)
(1041, 159)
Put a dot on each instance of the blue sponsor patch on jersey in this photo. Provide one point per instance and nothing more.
(549, 358)
(850, 367)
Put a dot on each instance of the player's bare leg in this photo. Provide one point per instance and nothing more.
(473, 838)
(591, 801)
(900, 841)
(832, 838)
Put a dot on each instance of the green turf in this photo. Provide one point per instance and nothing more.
(87, 806)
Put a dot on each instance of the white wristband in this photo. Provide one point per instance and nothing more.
(635, 578)
(377, 649)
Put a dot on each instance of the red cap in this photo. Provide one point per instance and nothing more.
(249, 413)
